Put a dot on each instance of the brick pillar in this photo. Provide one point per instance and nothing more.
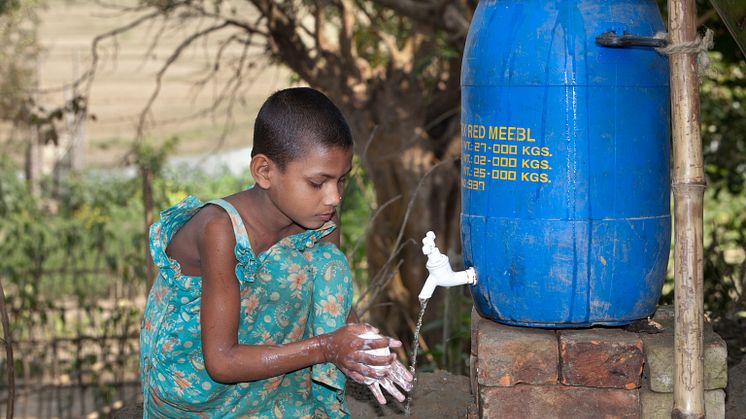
(521, 372)
(657, 390)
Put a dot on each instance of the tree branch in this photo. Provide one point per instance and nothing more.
(286, 43)
(346, 36)
(90, 74)
(154, 43)
(319, 25)
(420, 11)
(450, 16)
(398, 56)
(171, 59)
(251, 28)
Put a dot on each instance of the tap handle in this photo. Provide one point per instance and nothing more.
(428, 244)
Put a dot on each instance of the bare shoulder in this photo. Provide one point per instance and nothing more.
(216, 244)
(214, 227)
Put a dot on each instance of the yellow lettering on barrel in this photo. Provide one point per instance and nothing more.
(535, 177)
(530, 151)
(534, 164)
(530, 140)
(520, 134)
(503, 174)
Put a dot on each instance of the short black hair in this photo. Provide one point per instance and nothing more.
(292, 119)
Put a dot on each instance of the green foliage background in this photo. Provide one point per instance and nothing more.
(723, 117)
(19, 50)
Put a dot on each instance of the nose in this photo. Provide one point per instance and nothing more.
(333, 197)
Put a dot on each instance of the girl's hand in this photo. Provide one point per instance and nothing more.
(345, 349)
(398, 375)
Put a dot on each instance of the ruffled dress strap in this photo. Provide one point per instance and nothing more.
(308, 239)
(162, 231)
(247, 262)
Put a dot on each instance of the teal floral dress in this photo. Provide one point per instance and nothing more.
(296, 289)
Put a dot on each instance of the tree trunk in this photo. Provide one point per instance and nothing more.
(9, 362)
(32, 163)
(420, 191)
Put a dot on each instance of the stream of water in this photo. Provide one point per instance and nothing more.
(413, 365)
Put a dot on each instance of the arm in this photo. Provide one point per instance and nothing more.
(227, 361)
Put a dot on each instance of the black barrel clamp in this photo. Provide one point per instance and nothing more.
(612, 40)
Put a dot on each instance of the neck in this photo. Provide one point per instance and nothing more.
(265, 224)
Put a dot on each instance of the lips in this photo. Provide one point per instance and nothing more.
(327, 216)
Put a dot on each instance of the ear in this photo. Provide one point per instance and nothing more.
(261, 169)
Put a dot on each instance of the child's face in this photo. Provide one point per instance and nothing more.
(310, 188)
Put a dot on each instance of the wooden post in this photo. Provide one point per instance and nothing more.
(688, 189)
(9, 362)
(33, 160)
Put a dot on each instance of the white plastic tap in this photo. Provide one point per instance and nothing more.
(441, 273)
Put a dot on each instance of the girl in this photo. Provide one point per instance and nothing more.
(251, 312)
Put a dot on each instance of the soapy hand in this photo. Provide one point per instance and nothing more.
(351, 352)
(399, 375)
(396, 373)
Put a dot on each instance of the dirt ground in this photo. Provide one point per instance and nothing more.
(437, 395)
(443, 395)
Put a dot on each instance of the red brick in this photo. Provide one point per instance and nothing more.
(526, 401)
(508, 355)
(609, 358)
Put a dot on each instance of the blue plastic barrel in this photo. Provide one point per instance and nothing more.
(565, 162)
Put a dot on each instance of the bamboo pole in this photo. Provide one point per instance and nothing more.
(688, 185)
